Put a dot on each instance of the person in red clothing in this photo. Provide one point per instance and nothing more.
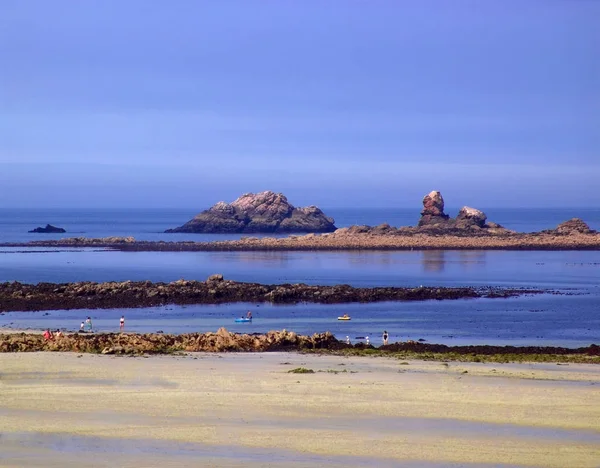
(48, 335)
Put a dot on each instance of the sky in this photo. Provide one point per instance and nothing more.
(338, 103)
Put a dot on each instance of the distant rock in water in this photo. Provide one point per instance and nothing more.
(48, 229)
(574, 226)
(266, 212)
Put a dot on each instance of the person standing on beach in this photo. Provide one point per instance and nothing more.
(385, 337)
(88, 323)
(122, 323)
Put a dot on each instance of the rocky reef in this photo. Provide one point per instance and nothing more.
(215, 290)
(158, 343)
(225, 341)
(48, 229)
(265, 212)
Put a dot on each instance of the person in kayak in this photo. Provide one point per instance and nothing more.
(249, 315)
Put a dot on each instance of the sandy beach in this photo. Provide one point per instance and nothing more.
(68, 409)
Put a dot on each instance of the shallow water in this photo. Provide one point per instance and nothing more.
(538, 320)
(186, 453)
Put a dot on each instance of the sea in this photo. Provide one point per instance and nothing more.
(568, 314)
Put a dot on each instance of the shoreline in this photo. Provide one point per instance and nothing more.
(249, 410)
(13, 341)
(16, 296)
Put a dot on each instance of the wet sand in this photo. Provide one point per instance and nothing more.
(66, 409)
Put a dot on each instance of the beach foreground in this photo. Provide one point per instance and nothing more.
(67, 409)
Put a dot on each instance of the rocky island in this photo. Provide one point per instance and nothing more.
(264, 212)
(48, 230)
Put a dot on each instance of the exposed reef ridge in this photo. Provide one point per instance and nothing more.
(215, 290)
(223, 341)
(48, 229)
(264, 212)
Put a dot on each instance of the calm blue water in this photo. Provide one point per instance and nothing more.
(149, 224)
(546, 319)
(533, 320)
(553, 269)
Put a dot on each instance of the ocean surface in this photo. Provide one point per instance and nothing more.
(569, 319)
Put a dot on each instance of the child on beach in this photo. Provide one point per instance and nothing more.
(82, 327)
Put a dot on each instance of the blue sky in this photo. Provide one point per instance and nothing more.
(338, 103)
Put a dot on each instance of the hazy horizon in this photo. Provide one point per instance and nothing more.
(338, 104)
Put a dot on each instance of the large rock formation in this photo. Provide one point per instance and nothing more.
(48, 229)
(261, 212)
(433, 210)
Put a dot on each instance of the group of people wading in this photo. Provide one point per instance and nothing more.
(85, 327)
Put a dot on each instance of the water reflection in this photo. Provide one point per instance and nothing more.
(472, 258)
(433, 260)
(278, 258)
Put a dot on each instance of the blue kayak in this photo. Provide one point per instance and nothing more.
(243, 319)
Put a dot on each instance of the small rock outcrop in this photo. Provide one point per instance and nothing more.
(266, 212)
(574, 226)
(48, 229)
(468, 217)
(433, 210)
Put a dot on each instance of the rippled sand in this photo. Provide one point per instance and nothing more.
(64, 409)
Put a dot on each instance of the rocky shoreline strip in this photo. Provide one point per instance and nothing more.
(570, 235)
(342, 241)
(225, 341)
(16, 296)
